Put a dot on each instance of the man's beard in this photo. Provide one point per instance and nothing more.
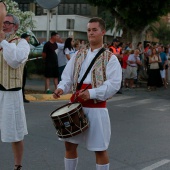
(8, 34)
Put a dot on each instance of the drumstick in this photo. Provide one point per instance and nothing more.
(82, 91)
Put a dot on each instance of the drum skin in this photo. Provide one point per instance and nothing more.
(70, 123)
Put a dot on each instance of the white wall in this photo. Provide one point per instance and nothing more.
(80, 23)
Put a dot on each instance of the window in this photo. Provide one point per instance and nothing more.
(79, 9)
(73, 1)
(38, 10)
(70, 23)
(85, 9)
(24, 7)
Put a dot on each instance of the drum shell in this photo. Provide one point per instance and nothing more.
(71, 123)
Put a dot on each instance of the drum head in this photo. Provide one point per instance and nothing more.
(65, 109)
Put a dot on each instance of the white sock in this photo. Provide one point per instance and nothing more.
(102, 167)
(70, 164)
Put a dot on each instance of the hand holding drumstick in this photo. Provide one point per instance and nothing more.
(57, 93)
(84, 94)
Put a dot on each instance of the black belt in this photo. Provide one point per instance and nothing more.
(132, 66)
(2, 88)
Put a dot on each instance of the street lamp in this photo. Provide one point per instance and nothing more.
(49, 5)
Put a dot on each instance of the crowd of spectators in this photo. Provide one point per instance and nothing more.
(140, 64)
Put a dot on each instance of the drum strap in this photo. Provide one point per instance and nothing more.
(89, 68)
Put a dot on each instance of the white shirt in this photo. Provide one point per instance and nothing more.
(14, 54)
(60, 55)
(70, 52)
(133, 58)
(109, 87)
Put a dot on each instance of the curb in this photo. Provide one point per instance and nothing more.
(45, 97)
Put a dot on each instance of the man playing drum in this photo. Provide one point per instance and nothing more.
(105, 80)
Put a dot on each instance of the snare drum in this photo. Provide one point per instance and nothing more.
(69, 120)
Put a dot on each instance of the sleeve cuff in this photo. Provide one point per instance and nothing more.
(92, 93)
(61, 87)
(3, 42)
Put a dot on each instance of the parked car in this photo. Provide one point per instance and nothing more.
(35, 64)
(36, 47)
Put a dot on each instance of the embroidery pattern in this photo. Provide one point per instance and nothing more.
(9, 77)
(98, 69)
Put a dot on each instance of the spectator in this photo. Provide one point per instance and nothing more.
(116, 50)
(83, 45)
(129, 47)
(167, 65)
(51, 64)
(131, 70)
(147, 53)
(106, 46)
(124, 66)
(164, 63)
(154, 77)
(76, 45)
(68, 48)
(140, 48)
(61, 56)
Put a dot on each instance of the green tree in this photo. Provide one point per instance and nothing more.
(136, 16)
(161, 30)
(25, 18)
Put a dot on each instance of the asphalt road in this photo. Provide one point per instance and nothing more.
(140, 135)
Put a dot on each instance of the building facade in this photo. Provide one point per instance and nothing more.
(69, 18)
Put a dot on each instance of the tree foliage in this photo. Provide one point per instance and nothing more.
(135, 15)
(25, 18)
(162, 32)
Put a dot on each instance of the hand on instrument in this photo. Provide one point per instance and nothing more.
(57, 93)
(85, 95)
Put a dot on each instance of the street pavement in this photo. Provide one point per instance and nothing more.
(140, 123)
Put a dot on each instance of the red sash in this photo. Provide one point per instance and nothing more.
(88, 103)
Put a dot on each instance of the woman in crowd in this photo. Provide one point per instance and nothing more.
(140, 48)
(154, 77)
(68, 48)
(147, 53)
(76, 45)
(167, 65)
(128, 47)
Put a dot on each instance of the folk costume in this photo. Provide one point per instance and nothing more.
(13, 55)
(105, 80)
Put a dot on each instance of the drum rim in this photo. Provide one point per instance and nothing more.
(66, 114)
(75, 133)
(79, 106)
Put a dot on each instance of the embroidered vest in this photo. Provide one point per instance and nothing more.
(10, 77)
(98, 75)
